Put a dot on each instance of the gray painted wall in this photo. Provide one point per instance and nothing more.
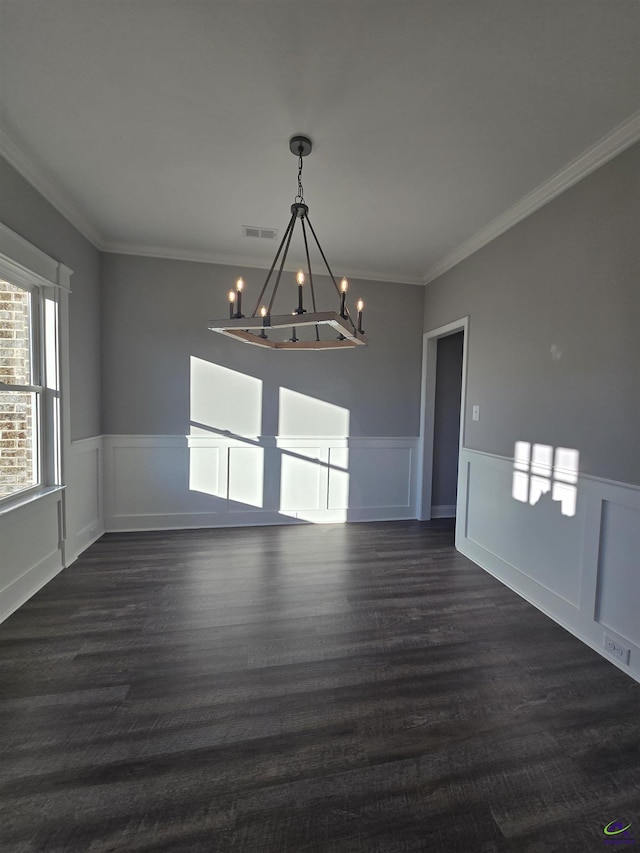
(154, 318)
(27, 213)
(446, 426)
(554, 339)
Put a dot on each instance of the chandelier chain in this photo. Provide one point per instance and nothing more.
(300, 196)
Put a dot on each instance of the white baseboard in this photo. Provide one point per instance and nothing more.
(196, 521)
(83, 540)
(443, 511)
(24, 587)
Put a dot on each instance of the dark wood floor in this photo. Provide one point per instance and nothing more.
(311, 688)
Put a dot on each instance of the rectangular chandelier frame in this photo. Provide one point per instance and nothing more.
(252, 330)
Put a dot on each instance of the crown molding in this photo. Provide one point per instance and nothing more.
(36, 176)
(151, 251)
(597, 155)
(620, 138)
(47, 187)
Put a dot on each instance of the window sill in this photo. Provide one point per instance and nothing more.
(37, 496)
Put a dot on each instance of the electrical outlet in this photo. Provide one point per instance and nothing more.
(92, 531)
(616, 649)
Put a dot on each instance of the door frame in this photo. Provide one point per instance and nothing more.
(427, 412)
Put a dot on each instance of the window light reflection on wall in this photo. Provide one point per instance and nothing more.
(539, 470)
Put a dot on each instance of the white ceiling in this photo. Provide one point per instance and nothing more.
(163, 126)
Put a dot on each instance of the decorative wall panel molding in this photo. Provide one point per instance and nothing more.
(575, 555)
(83, 498)
(32, 554)
(165, 482)
(618, 587)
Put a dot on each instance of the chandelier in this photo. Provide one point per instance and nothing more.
(254, 329)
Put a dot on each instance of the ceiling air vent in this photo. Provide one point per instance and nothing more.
(261, 233)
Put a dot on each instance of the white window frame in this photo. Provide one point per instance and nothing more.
(27, 267)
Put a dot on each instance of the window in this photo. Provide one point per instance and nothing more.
(34, 290)
(29, 398)
(29, 389)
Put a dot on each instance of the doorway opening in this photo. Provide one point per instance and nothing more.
(446, 426)
(442, 423)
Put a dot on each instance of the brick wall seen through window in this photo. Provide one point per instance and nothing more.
(17, 408)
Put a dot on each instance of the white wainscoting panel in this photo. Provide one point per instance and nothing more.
(577, 560)
(31, 553)
(207, 474)
(246, 476)
(214, 480)
(619, 570)
(371, 477)
(83, 496)
(302, 480)
(538, 540)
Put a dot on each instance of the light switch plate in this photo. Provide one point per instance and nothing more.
(476, 413)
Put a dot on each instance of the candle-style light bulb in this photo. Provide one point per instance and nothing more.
(232, 300)
(300, 280)
(263, 314)
(359, 307)
(344, 285)
(239, 289)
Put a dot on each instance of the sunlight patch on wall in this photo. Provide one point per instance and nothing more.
(303, 475)
(246, 475)
(225, 405)
(301, 415)
(225, 400)
(301, 482)
(538, 470)
(307, 474)
(204, 471)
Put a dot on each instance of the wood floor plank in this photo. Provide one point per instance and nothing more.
(359, 687)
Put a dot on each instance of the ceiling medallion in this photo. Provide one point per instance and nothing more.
(253, 329)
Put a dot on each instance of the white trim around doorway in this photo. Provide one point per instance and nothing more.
(427, 410)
